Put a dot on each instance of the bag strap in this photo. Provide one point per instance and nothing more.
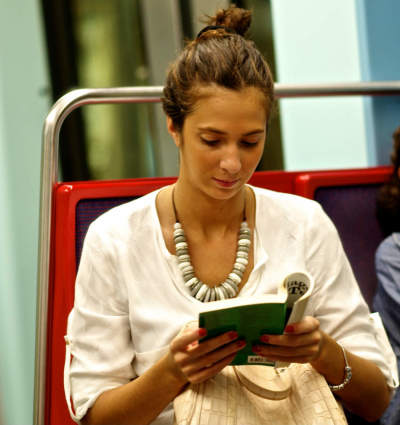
(265, 381)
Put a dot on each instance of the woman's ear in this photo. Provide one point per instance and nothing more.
(175, 134)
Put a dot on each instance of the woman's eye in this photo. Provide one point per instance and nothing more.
(209, 142)
(248, 144)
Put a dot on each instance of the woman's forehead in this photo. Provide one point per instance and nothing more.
(212, 90)
(219, 103)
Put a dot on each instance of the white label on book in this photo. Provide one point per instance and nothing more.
(259, 360)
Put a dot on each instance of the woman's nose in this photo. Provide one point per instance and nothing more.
(230, 161)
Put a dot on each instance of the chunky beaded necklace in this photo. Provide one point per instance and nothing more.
(199, 290)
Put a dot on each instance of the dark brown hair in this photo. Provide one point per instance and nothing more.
(219, 56)
(388, 200)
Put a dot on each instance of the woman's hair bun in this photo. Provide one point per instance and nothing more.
(234, 18)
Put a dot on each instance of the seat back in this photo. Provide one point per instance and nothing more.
(348, 197)
(76, 205)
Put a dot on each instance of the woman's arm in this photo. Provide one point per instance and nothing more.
(143, 399)
(367, 393)
(138, 402)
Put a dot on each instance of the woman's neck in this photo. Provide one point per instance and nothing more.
(208, 215)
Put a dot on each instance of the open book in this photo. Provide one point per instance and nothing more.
(252, 317)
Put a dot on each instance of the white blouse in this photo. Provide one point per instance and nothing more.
(130, 298)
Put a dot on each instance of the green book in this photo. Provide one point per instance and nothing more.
(252, 317)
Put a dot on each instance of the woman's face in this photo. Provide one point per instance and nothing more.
(222, 140)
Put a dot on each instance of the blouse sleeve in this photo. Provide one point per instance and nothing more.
(98, 335)
(337, 301)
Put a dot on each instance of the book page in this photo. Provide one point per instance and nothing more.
(240, 301)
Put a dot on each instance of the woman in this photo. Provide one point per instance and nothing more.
(144, 263)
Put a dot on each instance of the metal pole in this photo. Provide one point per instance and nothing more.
(372, 88)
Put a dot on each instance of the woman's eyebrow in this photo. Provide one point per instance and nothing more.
(217, 131)
(254, 132)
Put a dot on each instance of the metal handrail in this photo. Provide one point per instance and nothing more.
(49, 176)
(371, 88)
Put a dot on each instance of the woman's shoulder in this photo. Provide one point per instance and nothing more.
(119, 219)
(293, 213)
(285, 202)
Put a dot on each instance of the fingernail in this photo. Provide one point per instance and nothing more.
(289, 329)
(202, 332)
(256, 348)
(233, 334)
(264, 338)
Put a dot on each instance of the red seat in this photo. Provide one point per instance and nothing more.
(348, 197)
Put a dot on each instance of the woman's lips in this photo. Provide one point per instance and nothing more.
(226, 183)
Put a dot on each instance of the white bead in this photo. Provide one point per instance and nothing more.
(183, 258)
(188, 276)
(239, 266)
(178, 239)
(232, 284)
(184, 264)
(229, 289)
(177, 225)
(244, 225)
(242, 260)
(196, 288)
(241, 242)
(181, 245)
(188, 269)
(235, 278)
(220, 294)
(207, 295)
(225, 291)
(179, 232)
(244, 231)
(238, 272)
(212, 294)
(193, 281)
(202, 292)
(242, 254)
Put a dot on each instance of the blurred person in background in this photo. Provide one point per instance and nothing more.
(387, 263)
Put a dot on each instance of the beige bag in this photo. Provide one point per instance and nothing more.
(254, 395)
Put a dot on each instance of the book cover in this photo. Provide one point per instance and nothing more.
(255, 316)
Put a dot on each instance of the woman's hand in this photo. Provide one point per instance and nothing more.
(195, 362)
(302, 342)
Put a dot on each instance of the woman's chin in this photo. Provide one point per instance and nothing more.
(222, 192)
